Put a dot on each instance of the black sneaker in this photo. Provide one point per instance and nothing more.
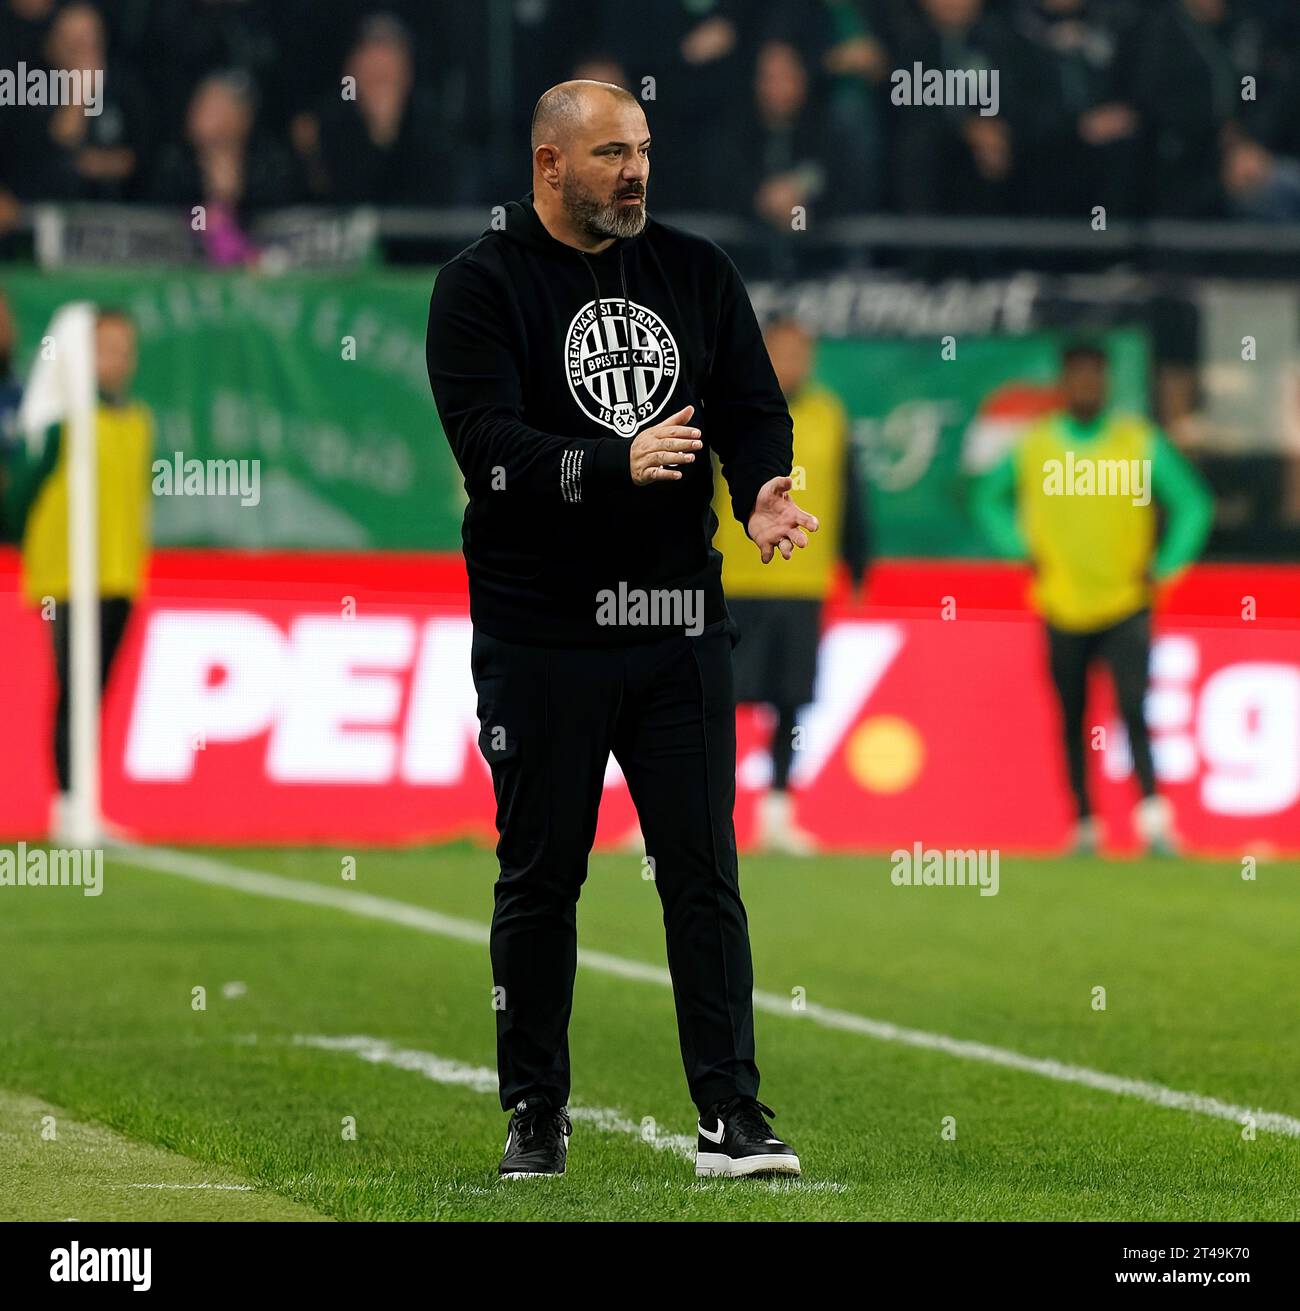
(735, 1139)
(538, 1141)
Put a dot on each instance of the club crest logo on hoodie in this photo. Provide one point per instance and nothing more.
(621, 362)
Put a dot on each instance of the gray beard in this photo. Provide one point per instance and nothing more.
(600, 221)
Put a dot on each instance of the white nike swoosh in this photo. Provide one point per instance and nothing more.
(715, 1137)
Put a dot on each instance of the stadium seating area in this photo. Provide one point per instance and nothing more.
(1139, 105)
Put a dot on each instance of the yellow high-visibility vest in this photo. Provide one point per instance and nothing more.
(1092, 548)
(820, 446)
(124, 440)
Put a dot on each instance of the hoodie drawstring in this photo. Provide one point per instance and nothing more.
(627, 310)
(595, 282)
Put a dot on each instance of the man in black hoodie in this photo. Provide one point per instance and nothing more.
(569, 349)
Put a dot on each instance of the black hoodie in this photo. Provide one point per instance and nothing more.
(540, 406)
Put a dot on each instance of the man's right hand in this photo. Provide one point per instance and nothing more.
(670, 442)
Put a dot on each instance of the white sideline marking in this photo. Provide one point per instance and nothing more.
(483, 1080)
(203, 869)
(225, 1188)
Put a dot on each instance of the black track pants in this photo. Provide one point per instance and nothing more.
(1126, 648)
(114, 611)
(549, 718)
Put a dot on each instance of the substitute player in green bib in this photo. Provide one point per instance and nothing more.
(1078, 496)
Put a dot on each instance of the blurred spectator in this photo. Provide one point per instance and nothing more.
(67, 154)
(1259, 184)
(858, 66)
(1192, 55)
(781, 164)
(225, 166)
(379, 141)
(846, 67)
(789, 134)
(951, 159)
(1085, 149)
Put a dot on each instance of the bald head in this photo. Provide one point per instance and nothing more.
(565, 109)
(591, 163)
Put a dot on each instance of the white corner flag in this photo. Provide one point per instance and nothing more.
(61, 389)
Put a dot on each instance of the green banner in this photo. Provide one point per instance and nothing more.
(319, 377)
(924, 424)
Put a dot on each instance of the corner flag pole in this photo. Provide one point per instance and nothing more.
(62, 388)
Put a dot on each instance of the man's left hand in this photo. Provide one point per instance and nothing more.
(777, 523)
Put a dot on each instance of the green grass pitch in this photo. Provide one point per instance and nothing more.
(245, 1109)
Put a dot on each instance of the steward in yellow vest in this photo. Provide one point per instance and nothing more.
(1078, 497)
(777, 607)
(36, 505)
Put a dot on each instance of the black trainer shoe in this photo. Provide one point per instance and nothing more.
(538, 1141)
(735, 1139)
